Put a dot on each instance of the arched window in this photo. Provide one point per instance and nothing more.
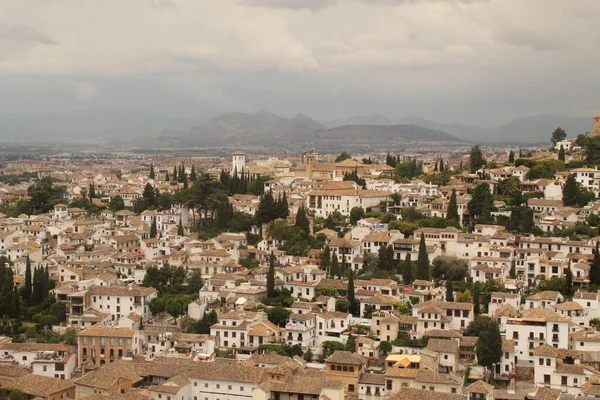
(112, 353)
(120, 353)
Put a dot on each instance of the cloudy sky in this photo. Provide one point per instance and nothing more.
(475, 61)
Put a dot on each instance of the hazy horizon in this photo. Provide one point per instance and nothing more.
(477, 62)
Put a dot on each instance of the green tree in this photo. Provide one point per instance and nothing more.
(385, 347)
(92, 191)
(278, 315)
(27, 288)
(175, 307)
(452, 214)
(207, 195)
(489, 344)
(449, 290)
(356, 214)
(407, 270)
(153, 231)
(180, 231)
(344, 155)
(302, 220)
(308, 355)
(193, 175)
(595, 268)
(271, 277)
(512, 273)
(481, 203)
(151, 174)
(561, 153)
(354, 307)
(568, 283)
(422, 261)
(156, 306)
(44, 195)
(571, 191)
(149, 196)
(511, 157)
(194, 283)
(334, 269)
(558, 135)
(116, 203)
(477, 298)
(445, 268)
(476, 160)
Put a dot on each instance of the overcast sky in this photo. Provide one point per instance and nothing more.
(475, 61)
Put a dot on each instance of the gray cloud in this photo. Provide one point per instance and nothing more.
(293, 4)
(24, 33)
(474, 61)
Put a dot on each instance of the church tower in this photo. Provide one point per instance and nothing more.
(238, 162)
(596, 126)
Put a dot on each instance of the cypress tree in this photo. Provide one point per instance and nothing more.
(407, 270)
(511, 157)
(571, 192)
(561, 153)
(326, 257)
(153, 229)
(271, 277)
(193, 174)
(595, 268)
(167, 176)
(568, 282)
(27, 287)
(354, 307)
(435, 169)
(477, 298)
(334, 269)
(423, 261)
(285, 207)
(8, 293)
(17, 303)
(441, 167)
(382, 259)
(92, 191)
(449, 290)
(151, 174)
(185, 183)
(175, 179)
(180, 231)
(512, 273)
(453, 208)
(302, 220)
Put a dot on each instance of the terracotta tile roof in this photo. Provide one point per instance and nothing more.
(107, 331)
(233, 372)
(568, 306)
(345, 357)
(121, 291)
(38, 385)
(543, 314)
(480, 387)
(442, 346)
(545, 295)
(508, 345)
(410, 373)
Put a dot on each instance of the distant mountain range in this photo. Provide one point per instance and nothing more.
(266, 129)
(528, 129)
(269, 130)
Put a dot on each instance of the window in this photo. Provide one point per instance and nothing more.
(388, 384)
(548, 362)
(563, 380)
(351, 388)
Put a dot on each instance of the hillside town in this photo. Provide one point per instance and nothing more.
(427, 275)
